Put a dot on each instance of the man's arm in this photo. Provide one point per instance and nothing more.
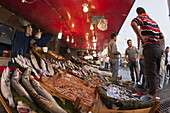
(137, 31)
(126, 58)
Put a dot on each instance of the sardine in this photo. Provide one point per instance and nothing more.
(5, 87)
(26, 81)
(41, 91)
(50, 68)
(34, 62)
(17, 86)
(46, 104)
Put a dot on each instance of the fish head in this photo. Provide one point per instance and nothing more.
(22, 107)
(15, 74)
(6, 76)
(27, 73)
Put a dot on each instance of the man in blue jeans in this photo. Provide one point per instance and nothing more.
(131, 56)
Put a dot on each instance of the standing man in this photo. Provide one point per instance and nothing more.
(149, 34)
(131, 56)
(113, 56)
(162, 64)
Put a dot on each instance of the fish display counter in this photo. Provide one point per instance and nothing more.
(47, 82)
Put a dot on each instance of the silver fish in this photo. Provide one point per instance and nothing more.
(34, 62)
(50, 68)
(43, 65)
(17, 86)
(26, 81)
(46, 104)
(5, 87)
(41, 91)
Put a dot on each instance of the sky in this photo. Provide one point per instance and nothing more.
(157, 10)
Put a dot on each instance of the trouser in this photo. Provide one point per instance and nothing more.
(106, 65)
(152, 55)
(134, 66)
(142, 72)
(162, 73)
(168, 70)
(114, 67)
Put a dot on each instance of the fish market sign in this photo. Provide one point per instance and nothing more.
(5, 34)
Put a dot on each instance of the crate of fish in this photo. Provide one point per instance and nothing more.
(94, 81)
(69, 90)
(118, 97)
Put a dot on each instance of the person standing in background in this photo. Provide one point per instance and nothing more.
(162, 64)
(131, 56)
(149, 34)
(142, 66)
(167, 61)
(113, 56)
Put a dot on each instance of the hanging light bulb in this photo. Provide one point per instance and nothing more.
(72, 40)
(60, 34)
(85, 7)
(91, 27)
(68, 39)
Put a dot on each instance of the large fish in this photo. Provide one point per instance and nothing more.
(17, 86)
(41, 91)
(50, 68)
(46, 104)
(5, 87)
(34, 62)
(26, 81)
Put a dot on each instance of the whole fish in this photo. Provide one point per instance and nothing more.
(43, 65)
(46, 104)
(28, 63)
(5, 87)
(50, 68)
(31, 68)
(34, 62)
(41, 91)
(26, 81)
(17, 86)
